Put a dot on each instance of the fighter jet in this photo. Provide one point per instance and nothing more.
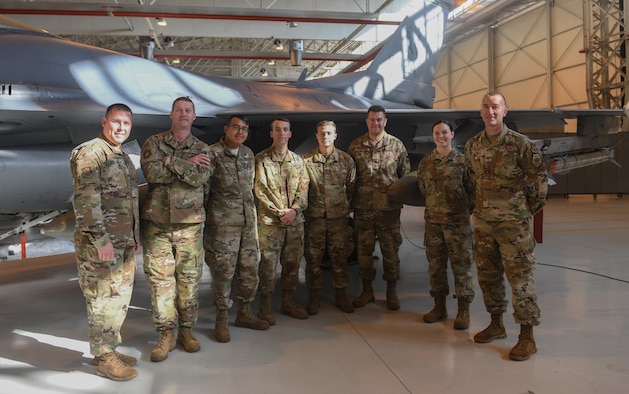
(53, 93)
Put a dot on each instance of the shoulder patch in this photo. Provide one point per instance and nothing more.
(87, 172)
(537, 159)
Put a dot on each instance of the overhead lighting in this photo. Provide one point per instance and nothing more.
(176, 61)
(263, 72)
(271, 62)
(292, 24)
(278, 45)
(162, 22)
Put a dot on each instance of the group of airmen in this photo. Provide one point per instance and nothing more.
(243, 214)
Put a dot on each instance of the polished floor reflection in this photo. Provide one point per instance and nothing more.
(582, 284)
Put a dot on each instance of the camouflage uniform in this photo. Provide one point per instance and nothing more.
(511, 186)
(448, 187)
(378, 165)
(331, 187)
(106, 208)
(280, 184)
(172, 228)
(231, 233)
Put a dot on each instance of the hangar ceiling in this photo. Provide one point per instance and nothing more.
(239, 38)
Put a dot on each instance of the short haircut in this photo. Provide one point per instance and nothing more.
(280, 119)
(184, 98)
(241, 117)
(492, 94)
(119, 107)
(324, 123)
(377, 108)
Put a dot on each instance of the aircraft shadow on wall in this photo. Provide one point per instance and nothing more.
(54, 93)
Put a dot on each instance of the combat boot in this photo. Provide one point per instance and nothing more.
(264, 310)
(366, 296)
(313, 302)
(439, 312)
(525, 346)
(495, 330)
(129, 360)
(221, 328)
(165, 344)
(246, 319)
(187, 339)
(393, 302)
(342, 302)
(462, 321)
(111, 367)
(289, 308)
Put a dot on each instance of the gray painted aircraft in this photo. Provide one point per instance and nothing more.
(54, 93)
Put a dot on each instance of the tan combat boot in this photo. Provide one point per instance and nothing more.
(393, 302)
(313, 302)
(342, 302)
(462, 321)
(264, 310)
(439, 312)
(221, 328)
(495, 330)
(366, 296)
(525, 346)
(246, 319)
(129, 360)
(165, 344)
(111, 367)
(187, 339)
(289, 308)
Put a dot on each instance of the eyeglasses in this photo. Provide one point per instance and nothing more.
(244, 129)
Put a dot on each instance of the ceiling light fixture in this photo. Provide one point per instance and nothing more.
(176, 61)
(162, 22)
(263, 72)
(278, 45)
(271, 62)
(292, 24)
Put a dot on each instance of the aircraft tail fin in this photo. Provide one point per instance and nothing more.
(403, 70)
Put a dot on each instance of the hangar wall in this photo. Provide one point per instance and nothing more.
(537, 60)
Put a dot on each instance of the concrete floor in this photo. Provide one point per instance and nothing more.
(582, 284)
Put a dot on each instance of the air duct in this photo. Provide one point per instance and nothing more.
(296, 52)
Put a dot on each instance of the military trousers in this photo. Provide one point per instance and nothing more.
(283, 244)
(107, 287)
(449, 241)
(334, 235)
(173, 265)
(232, 252)
(506, 249)
(385, 226)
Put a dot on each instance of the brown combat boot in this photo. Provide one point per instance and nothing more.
(495, 330)
(313, 302)
(246, 319)
(264, 310)
(165, 344)
(462, 321)
(289, 308)
(393, 302)
(111, 367)
(129, 360)
(187, 339)
(342, 302)
(221, 327)
(366, 296)
(439, 312)
(525, 347)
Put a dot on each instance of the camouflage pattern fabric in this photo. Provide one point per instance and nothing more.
(231, 233)
(448, 188)
(331, 187)
(107, 287)
(377, 166)
(106, 208)
(283, 244)
(385, 226)
(173, 266)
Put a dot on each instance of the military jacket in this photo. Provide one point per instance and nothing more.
(280, 185)
(331, 183)
(510, 175)
(176, 186)
(105, 197)
(230, 200)
(448, 187)
(377, 166)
